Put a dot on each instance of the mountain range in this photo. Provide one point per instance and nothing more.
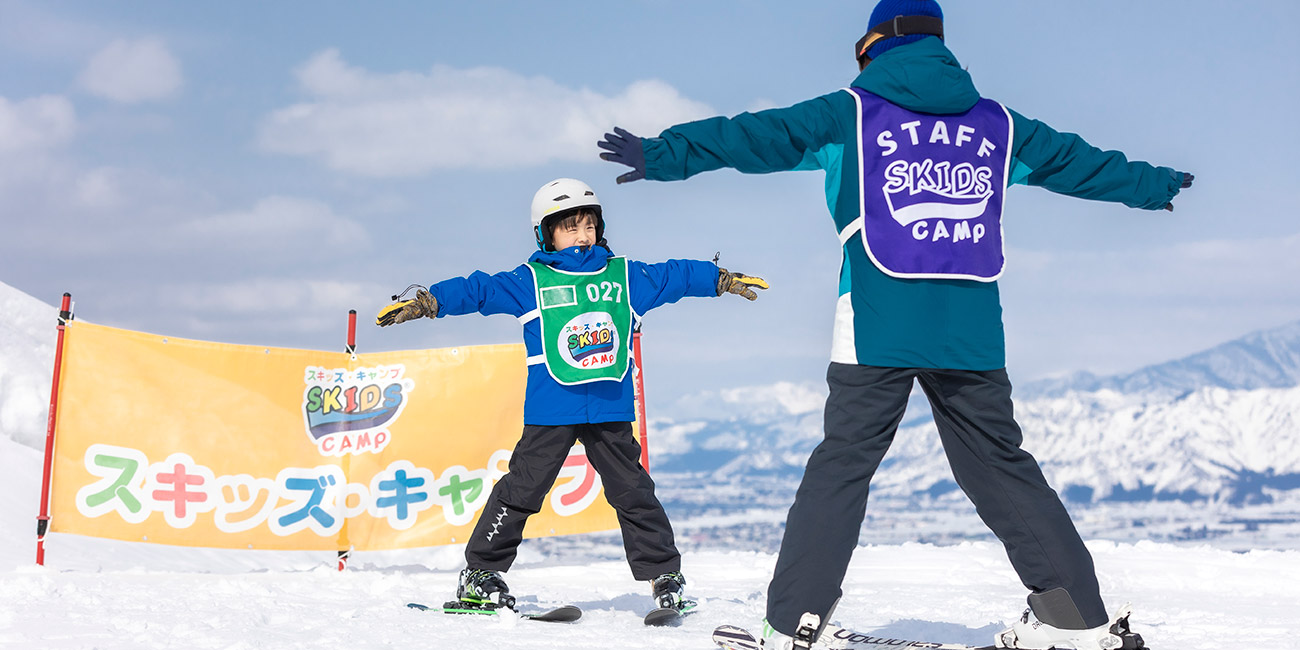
(1218, 426)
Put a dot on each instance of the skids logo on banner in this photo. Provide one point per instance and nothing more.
(348, 412)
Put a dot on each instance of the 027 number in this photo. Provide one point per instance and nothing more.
(605, 291)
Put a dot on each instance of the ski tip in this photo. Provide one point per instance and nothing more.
(563, 614)
(662, 617)
(669, 615)
(730, 637)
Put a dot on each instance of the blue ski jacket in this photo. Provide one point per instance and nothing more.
(546, 401)
(881, 320)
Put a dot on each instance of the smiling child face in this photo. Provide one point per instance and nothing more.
(577, 230)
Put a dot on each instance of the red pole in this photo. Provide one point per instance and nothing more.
(43, 519)
(638, 383)
(352, 332)
(346, 553)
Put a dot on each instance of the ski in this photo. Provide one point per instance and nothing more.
(661, 616)
(834, 637)
(562, 614)
(730, 637)
(841, 638)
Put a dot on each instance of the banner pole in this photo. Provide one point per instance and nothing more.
(43, 519)
(638, 383)
(352, 333)
(345, 553)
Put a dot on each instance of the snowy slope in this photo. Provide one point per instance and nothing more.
(27, 336)
(1187, 599)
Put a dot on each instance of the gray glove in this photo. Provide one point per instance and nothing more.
(740, 284)
(424, 305)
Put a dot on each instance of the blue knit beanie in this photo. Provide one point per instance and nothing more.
(887, 9)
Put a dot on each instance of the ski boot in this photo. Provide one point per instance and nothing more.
(482, 589)
(1031, 633)
(668, 589)
(810, 628)
(670, 605)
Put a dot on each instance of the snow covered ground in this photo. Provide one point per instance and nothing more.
(89, 597)
(116, 595)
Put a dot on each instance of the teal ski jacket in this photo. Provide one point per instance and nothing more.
(881, 320)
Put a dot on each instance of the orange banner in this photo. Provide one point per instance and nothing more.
(194, 443)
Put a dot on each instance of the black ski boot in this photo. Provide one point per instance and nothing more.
(482, 589)
(668, 589)
(670, 606)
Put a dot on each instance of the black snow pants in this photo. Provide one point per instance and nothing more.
(534, 465)
(981, 439)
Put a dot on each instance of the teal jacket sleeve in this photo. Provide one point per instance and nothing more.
(775, 140)
(1066, 164)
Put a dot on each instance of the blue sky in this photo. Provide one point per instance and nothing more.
(248, 172)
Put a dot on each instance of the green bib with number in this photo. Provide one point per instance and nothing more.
(586, 322)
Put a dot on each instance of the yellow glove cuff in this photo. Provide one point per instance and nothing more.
(388, 315)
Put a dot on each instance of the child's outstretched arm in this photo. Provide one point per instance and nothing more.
(423, 305)
(740, 284)
(508, 292)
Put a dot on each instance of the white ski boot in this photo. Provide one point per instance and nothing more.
(773, 640)
(1029, 633)
(810, 626)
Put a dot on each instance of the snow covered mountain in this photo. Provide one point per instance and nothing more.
(1218, 426)
(1266, 359)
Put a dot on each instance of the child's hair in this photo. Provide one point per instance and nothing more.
(573, 218)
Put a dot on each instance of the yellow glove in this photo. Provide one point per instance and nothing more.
(424, 305)
(739, 284)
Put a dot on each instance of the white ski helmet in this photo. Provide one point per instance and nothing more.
(557, 199)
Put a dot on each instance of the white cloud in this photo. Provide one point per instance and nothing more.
(275, 222)
(35, 124)
(272, 296)
(1202, 272)
(288, 310)
(98, 188)
(34, 29)
(409, 123)
(132, 71)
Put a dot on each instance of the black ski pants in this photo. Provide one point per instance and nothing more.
(981, 439)
(534, 465)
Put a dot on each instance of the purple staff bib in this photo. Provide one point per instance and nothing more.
(932, 189)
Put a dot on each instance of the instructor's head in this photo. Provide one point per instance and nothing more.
(898, 22)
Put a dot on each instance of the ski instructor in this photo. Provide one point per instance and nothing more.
(917, 167)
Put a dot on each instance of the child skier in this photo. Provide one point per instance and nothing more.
(918, 165)
(573, 280)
